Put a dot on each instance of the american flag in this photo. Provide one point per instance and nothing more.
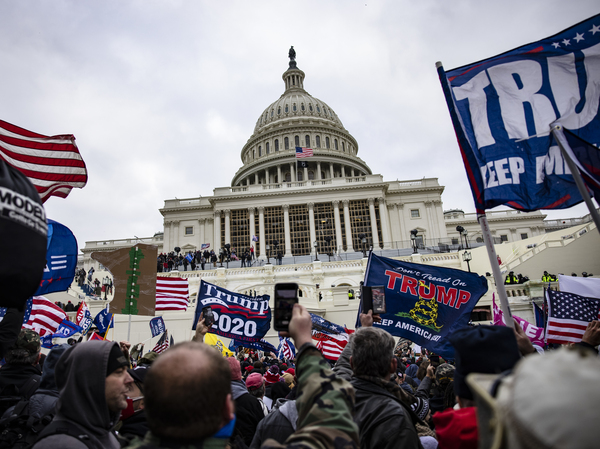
(568, 316)
(330, 345)
(172, 293)
(42, 316)
(286, 349)
(303, 152)
(52, 164)
(163, 343)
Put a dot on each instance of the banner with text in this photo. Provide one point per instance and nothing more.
(425, 303)
(237, 316)
(502, 109)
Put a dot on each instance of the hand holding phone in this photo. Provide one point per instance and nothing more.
(286, 295)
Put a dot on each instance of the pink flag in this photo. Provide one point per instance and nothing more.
(535, 334)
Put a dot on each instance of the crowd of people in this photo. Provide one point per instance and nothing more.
(101, 394)
(199, 260)
(546, 277)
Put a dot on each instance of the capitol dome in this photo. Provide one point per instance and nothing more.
(297, 119)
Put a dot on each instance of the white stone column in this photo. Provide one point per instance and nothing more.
(286, 230)
(438, 213)
(373, 223)
(261, 231)
(306, 175)
(385, 224)
(349, 246)
(513, 234)
(175, 234)
(338, 226)
(256, 178)
(343, 171)
(352, 172)
(331, 170)
(311, 222)
(217, 232)
(267, 180)
(279, 178)
(431, 234)
(252, 228)
(202, 226)
(318, 170)
(395, 229)
(167, 236)
(227, 228)
(292, 172)
(404, 233)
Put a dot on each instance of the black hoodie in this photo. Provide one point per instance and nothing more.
(80, 377)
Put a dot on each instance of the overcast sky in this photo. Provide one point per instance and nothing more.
(162, 95)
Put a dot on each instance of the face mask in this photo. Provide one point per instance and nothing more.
(129, 411)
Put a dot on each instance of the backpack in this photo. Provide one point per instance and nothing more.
(66, 428)
(11, 395)
(20, 430)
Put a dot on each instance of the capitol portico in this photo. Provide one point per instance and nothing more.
(289, 203)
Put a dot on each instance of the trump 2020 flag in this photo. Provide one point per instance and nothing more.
(237, 316)
(502, 110)
(157, 326)
(425, 303)
(61, 259)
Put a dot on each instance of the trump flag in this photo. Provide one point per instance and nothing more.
(237, 316)
(425, 303)
(502, 110)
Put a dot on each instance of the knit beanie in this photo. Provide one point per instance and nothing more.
(116, 360)
(272, 375)
(420, 407)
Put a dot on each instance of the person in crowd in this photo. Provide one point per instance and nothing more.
(511, 278)
(70, 307)
(546, 277)
(20, 376)
(248, 409)
(256, 387)
(38, 410)
(133, 418)
(278, 425)
(191, 378)
(382, 411)
(479, 349)
(94, 385)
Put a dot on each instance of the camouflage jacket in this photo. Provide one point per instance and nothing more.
(325, 402)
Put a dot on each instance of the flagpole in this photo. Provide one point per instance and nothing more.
(489, 243)
(565, 148)
(106, 333)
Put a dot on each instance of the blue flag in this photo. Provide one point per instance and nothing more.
(103, 320)
(61, 259)
(157, 326)
(502, 110)
(261, 345)
(286, 349)
(425, 303)
(322, 325)
(66, 329)
(237, 316)
(587, 159)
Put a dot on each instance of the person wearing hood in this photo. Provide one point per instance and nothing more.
(94, 385)
(278, 425)
(247, 408)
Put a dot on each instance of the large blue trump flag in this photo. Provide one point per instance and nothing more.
(425, 303)
(61, 259)
(237, 316)
(502, 109)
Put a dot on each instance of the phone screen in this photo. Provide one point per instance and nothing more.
(286, 295)
(208, 316)
(378, 295)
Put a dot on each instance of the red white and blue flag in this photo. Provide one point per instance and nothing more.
(568, 316)
(52, 163)
(42, 315)
(286, 349)
(172, 294)
(303, 152)
(503, 108)
(163, 343)
(331, 345)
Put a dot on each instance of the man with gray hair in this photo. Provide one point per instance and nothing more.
(383, 418)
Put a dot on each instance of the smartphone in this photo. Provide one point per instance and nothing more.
(209, 317)
(378, 298)
(373, 298)
(286, 295)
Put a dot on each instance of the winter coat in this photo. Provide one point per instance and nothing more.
(279, 424)
(248, 411)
